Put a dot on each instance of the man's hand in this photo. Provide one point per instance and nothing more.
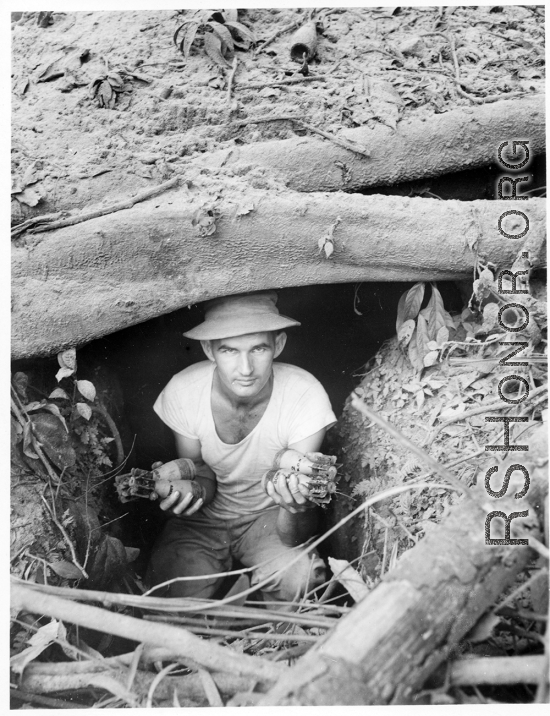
(286, 490)
(312, 463)
(181, 497)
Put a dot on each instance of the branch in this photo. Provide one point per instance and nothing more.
(231, 78)
(495, 405)
(184, 645)
(344, 143)
(448, 476)
(282, 83)
(496, 670)
(66, 538)
(127, 204)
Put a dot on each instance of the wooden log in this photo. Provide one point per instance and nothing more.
(453, 141)
(184, 645)
(385, 648)
(81, 282)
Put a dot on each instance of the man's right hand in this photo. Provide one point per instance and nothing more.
(181, 497)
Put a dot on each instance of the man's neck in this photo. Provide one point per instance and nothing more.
(237, 402)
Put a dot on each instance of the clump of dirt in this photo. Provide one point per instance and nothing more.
(439, 404)
(379, 65)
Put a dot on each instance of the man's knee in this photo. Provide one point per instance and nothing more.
(290, 583)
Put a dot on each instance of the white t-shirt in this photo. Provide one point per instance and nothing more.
(298, 407)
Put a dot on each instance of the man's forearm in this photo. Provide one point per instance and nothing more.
(209, 487)
(295, 529)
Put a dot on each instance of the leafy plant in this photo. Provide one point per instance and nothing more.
(422, 332)
(105, 89)
(68, 426)
(221, 31)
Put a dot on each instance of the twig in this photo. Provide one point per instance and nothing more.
(156, 681)
(20, 228)
(231, 78)
(490, 97)
(281, 83)
(114, 430)
(442, 471)
(36, 447)
(278, 33)
(45, 701)
(66, 538)
(234, 633)
(203, 605)
(352, 147)
(183, 644)
(520, 589)
(455, 58)
(127, 204)
(210, 688)
(495, 405)
(496, 670)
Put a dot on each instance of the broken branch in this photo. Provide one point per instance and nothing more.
(496, 670)
(127, 204)
(442, 471)
(65, 537)
(344, 143)
(282, 83)
(183, 644)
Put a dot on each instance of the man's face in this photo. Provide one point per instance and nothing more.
(244, 363)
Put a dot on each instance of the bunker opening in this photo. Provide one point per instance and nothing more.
(342, 327)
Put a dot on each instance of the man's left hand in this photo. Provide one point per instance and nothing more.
(286, 490)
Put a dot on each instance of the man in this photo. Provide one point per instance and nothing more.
(237, 416)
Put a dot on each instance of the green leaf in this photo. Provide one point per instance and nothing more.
(436, 313)
(63, 373)
(87, 389)
(409, 304)
(422, 338)
(431, 358)
(413, 300)
(84, 410)
(442, 335)
(58, 393)
(213, 48)
(414, 358)
(405, 333)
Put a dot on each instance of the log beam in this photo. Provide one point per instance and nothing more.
(384, 650)
(81, 282)
(460, 139)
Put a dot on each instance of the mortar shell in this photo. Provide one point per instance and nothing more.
(303, 41)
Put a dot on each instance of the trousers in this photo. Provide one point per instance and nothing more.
(197, 545)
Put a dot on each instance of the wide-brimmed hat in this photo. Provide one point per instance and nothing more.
(231, 316)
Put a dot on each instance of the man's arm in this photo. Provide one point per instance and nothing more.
(296, 521)
(180, 502)
(289, 496)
